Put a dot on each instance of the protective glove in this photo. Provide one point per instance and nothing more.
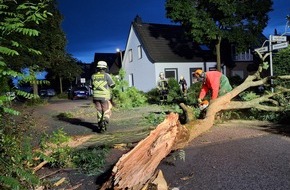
(199, 100)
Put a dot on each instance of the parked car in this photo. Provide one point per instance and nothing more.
(47, 92)
(78, 93)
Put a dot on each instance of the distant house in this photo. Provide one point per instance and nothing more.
(244, 63)
(154, 48)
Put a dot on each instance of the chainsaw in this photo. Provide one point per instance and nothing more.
(203, 105)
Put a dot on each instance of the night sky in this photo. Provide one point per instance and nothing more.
(103, 25)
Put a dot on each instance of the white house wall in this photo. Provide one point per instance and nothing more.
(145, 74)
(141, 69)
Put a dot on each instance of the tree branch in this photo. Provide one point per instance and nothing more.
(256, 103)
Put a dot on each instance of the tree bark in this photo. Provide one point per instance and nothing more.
(134, 169)
(60, 85)
(218, 53)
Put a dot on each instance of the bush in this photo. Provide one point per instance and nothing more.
(174, 93)
(60, 155)
(124, 96)
(90, 161)
(129, 99)
(16, 157)
(193, 93)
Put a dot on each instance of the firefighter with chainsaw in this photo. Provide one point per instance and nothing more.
(101, 83)
(214, 82)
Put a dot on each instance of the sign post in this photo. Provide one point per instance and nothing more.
(281, 43)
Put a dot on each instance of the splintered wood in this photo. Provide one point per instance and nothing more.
(136, 168)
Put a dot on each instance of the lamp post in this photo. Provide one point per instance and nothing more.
(121, 56)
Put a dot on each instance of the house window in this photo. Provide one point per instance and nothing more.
(139, 52)
(130, 55)
(131, 80)
(171, 73)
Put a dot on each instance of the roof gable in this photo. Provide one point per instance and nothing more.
(168, 43)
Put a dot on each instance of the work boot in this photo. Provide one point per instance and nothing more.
(103, 126)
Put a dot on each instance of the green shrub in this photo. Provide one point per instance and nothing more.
(90, 161)
(153, 96)
(16, 157)
(155, 118)
(124, 96)
(193, 93)
(60, 155)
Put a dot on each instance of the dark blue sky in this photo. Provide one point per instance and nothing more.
(103, 25)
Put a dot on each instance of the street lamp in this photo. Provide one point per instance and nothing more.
(121, 56)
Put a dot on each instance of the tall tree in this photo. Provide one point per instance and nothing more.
(50, 44)
(64, 69)
(15, 21)
(211, 21)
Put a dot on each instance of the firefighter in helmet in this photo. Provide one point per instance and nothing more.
(101, 83)
(162, 86)
(183, 86)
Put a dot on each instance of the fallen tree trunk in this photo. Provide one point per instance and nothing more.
(134, 169)
(137, 167)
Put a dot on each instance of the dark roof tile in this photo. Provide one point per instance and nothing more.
(168, 43)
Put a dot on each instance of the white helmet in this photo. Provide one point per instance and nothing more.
(102, 64)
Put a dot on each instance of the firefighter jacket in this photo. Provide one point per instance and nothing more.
(162, 84)
(215, 82)
(102, 82)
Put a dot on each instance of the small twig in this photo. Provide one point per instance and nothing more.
(59, 182)
(50, 174)
(39, 166)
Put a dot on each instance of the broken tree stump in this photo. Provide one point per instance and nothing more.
(135, 168)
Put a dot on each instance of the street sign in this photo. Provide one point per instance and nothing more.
(262, 49)
(280, 45)
(279, 38)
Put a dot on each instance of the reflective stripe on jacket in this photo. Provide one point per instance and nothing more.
(100, 86)
(162, 84)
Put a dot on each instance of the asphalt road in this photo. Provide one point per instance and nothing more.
(233, 156)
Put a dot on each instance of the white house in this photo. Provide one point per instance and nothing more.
(154, 48)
